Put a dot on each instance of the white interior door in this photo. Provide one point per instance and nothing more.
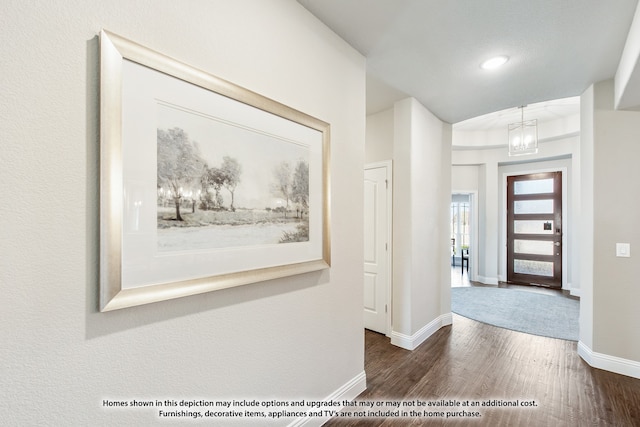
(377, 226)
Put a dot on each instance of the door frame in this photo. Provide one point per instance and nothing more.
(388, 164)
(565, 225)
(473, 234)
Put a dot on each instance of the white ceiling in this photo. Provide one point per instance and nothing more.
(432, 50)
(542, 111)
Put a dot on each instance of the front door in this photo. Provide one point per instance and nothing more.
(534, 229)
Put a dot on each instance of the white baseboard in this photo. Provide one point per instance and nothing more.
(410, 342)
(614, 364)
(575, 292)
(349, 391)
(447, 319)
(488, 280)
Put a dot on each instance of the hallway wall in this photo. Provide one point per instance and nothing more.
(419, 145)
(609, 337)
(298, 337)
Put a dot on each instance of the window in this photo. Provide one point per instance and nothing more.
(460, 224)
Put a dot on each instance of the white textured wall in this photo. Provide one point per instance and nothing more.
(422, 194)
(585, 221)
(291, 338)
(464, 178)
(430, 167)
(627, 91)
(616, 210)
(379, 137)
(402, 219)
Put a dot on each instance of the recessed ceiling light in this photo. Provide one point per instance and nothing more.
(493, 63)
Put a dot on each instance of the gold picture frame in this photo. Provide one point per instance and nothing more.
(175, 224)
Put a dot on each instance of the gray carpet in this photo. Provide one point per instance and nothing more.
(530, 312)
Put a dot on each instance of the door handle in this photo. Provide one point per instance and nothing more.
(557, 243)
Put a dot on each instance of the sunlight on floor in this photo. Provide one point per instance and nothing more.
(459, 278)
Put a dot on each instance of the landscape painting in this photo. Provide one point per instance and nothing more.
(204, 185)
(223, 185)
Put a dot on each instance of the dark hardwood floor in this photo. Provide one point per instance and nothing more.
(475, 362)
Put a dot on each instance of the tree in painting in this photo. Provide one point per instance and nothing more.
(211, 179)
(227, 176)
(296, 188)
(300, 186)
(179, 163)
(282, 183)
(231, 171)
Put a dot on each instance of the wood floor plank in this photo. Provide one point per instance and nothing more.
(474, 362)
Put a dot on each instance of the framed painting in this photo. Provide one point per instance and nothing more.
(205, 185)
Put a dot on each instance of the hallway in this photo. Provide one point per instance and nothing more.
(473, 361)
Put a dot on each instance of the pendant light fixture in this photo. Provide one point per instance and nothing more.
(523, 136)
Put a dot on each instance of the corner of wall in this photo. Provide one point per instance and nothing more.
(348, 392)
(411, 342)
(618, 365)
